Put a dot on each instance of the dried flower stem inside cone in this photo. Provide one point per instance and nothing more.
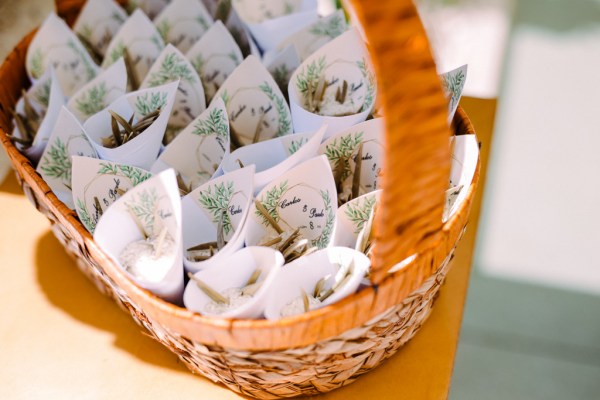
(130, 131)
(210, 292)
(97, 57)
(28, 124)
(134, 82)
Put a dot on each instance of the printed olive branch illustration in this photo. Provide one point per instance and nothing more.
(144, 208)
(149, 102)
(215, 123)
(92, 101)
(332, 28)
(172, 68)
(368, 75)
(85, 217)
(216, 200)
(135, 175)
(342, 152)
(359, 213)
(57, 163)
(283, 112)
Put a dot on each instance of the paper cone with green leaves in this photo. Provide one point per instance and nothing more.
(172, 66)
(219, 208)
(302, 198)
(150, 7)
(199, 150)
(139, 41)
(215, 56)
(256, 107)
(45, 97)
(141, 233)
(183, 22)
(270, 21)
(66, 140)
(95, 96)
(98, 22)
(97, 184)
(142, 150)
(314, 36)
(334, 86)
(453, 83)
(55, 44)
(352, 217)
(274, 157)
(342, 150)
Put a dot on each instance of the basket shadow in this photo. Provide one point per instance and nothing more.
(10, 185)
(70, 290)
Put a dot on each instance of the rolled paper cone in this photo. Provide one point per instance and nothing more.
(342, 62)
(305, 273)
(268, 34)
(47, 89)
(235, 271)
(118, 228)
(201, 146)
(103, 180)
(68, 139)
(104, 89)
(304, 197)
(228, 197)
(142, 150)
(98, 22)
(183, 22)
(274, 157)
(351, 218)
(464, 164)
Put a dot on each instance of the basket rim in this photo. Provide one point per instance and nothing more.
(244, 334)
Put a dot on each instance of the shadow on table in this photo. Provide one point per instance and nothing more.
(68, 289)
(10, 185)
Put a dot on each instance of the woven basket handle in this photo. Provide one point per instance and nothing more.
(417, 153)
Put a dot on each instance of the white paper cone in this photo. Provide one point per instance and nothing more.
(156, 205)
(215, 56)
(274, 157)
(345, 145)
(305, 198)
(344, 59)
(464, 164)
(454, 83)
(55, 44)
(67, 139)
(229, 196)
(303, 274)
(143, 43)
(171, 66)
(234, 272)
(105, 88)
(269, 33)
(351, 218)
(255, 105)
(46, 97)
(200, 147)
(142, 150)
(98, 22)
(316, 35)
(183, 22)
(102, 180)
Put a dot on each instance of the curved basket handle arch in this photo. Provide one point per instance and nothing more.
(417, 150)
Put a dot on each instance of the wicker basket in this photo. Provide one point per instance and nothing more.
(326, 348)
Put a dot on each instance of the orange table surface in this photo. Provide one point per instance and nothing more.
(61, 339)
